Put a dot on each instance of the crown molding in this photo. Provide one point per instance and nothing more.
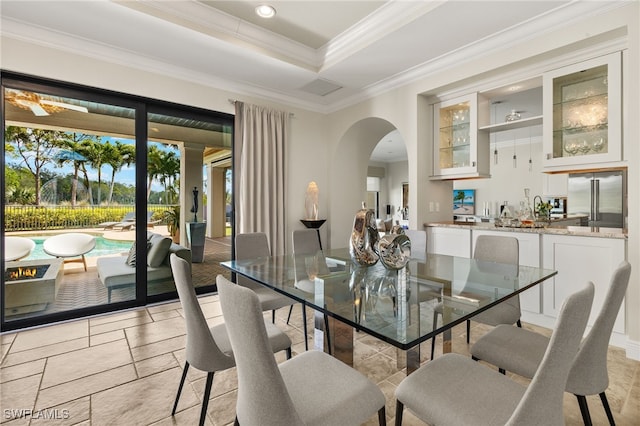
(199, 17)
(388, 18)
(86, 48)
(507, 39)
(561, 17)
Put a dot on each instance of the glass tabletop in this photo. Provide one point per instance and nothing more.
(396, 306)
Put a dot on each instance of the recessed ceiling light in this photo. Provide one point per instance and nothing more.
(265, 11)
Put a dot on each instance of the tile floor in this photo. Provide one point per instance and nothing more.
(124, 369)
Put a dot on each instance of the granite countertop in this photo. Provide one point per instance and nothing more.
(581, 231)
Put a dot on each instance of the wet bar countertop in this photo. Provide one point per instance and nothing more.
(578, 231)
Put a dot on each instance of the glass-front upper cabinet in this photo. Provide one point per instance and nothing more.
(459, 150)
(582, 114)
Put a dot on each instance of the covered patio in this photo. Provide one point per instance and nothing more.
(77, 288)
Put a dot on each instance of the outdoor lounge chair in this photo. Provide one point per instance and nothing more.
(128, 218)
(127, 225)
(69, 245)
(16, 248)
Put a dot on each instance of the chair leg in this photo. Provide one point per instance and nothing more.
(289, 316)
(273, 316)
(382, 416)
(473, 357)
(468, 330)
(399, 410)
(607, 409)
(205, 400)
(236, 422)
(433, 346)
(433, 339)
(288, 350)
(326, 333)
(584, 410)
(304, 326)
(519, 323)
(501, 370)
(184, 376)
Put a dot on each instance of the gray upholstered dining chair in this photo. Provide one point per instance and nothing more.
(520, 351)
(306, 243)
(313, 388)
(250, 246)
(454, 390)
(418, 239)
(500, 249)
(209, 349)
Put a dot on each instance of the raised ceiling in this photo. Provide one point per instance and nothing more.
(361, 47)
(317, 55)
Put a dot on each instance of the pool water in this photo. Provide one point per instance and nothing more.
(103, 247)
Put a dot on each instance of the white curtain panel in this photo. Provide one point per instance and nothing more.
(259, 162)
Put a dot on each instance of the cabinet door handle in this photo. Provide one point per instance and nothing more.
(549, 156)
(473, 164)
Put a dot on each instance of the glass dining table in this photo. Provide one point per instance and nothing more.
(402, 307)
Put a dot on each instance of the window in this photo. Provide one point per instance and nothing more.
(88, 173)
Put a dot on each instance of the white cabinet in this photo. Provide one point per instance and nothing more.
(579, 260)
(582, 109)
(555, 185)
(449, 241)
(529, 255)
(459, 150)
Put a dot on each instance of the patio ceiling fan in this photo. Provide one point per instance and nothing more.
(39, 106)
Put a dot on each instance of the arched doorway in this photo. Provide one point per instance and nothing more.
(349, 168)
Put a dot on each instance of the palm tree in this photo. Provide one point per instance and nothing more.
(154, 166)
(96, 153)
(169, 171)
(71, 153)
(123, 154)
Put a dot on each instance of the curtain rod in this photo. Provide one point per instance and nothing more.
(233, 102)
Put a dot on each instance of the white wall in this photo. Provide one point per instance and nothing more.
(507, 183)
(398, 173)
(327, 149)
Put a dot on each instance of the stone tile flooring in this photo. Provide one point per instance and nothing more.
(124, 369)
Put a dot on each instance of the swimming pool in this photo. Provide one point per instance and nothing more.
(103, 247)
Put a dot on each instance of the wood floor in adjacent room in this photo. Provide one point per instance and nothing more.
(124, 369)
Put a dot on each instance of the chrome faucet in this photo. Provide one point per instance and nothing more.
(535, 206)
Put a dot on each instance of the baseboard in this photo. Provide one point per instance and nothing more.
(633, 349)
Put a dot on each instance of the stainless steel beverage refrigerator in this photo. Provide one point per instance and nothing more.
(600, 195)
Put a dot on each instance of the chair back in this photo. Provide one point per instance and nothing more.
(305, 241)
(202, 351)
(493, 248)
(130, 216)
(308, 259)
(589, 374)
(499, 249)
(418, 243)
(251, 245)
(543, 399)
(263, 398)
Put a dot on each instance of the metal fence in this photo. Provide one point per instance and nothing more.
(37, 218)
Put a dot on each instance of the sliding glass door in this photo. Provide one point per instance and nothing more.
(188, 156)
(89, 177)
